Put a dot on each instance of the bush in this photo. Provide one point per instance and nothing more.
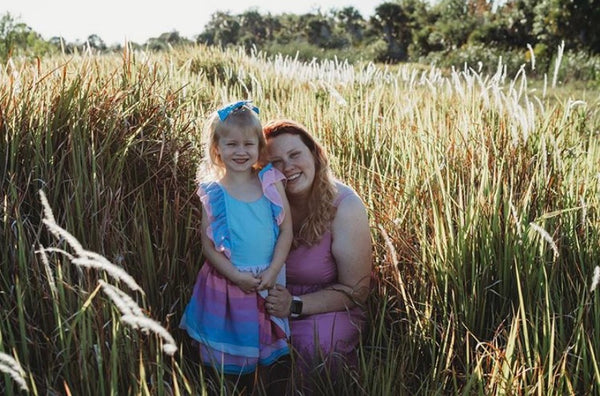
(307, 52)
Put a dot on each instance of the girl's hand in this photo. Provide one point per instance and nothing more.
(246, 281)
(267, 279)
(279, 302)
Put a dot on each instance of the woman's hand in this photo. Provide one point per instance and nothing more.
(246, 281)
(279, 302)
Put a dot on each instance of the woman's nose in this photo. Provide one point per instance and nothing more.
(286, 165)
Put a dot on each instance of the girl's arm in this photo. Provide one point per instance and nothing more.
(244, 280)
(351, 248)
(282, 247)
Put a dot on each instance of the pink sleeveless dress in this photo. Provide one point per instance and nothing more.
(329, 335)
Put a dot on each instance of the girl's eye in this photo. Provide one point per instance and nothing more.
(294, 154)
(230, 144)
(276, 163)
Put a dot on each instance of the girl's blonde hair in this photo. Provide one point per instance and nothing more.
(321, 208)
(243, 119)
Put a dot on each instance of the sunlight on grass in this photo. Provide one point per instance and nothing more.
(483, 193)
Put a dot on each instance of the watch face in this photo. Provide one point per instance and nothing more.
(296, 307)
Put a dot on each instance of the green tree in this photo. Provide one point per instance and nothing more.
(272, 26)
(95, 42)
(351, 23)
(222, 29)
(319, 31)
(253, 29)
(516, 18)
(391, 22)
(454, 23)
(166, 40)
(574, 22)
(421, 25)
(16, 38)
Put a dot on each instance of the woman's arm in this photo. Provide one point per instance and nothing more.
(282, 247)
(244, 280)
(352, 250)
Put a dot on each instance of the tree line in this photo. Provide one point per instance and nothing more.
(446, 32)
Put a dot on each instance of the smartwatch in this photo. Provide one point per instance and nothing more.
(296, 307)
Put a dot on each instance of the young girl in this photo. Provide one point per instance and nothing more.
(246, 235)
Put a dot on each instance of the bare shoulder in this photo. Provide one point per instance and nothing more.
(351, 241)
(351, 215)
(349, 200)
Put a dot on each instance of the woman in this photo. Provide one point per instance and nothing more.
(329, 266)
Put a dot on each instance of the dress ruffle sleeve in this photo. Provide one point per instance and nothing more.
(211, 195)
(269, 176)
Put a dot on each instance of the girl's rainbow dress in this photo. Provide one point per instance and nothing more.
(233, 329)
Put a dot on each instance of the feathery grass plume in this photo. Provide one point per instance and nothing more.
(530, 48)
(595, 279)
(335, 94)
(49, 274)
(10, 366)
(571, 104)
(583, 211)
(146, 323)
(390, 246)
(121, 299)
(546, 236)
(94, 260)
(132, 313)
(46, 207)
(561, 50)
(57, 250)
(54, 228)
(85, 258)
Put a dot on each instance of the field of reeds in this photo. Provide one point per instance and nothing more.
(483, 194)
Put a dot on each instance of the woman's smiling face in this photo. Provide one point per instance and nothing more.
(292, 157)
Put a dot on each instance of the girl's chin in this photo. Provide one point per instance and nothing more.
(238, 168)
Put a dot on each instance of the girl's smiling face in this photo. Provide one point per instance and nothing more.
(293, 158)
(238, 150)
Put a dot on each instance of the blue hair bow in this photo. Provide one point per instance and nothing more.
(224, 112)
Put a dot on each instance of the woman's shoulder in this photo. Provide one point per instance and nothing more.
(349, 206)
(346, 196)
(350, 226)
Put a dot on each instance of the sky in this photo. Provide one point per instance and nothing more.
(138, 20)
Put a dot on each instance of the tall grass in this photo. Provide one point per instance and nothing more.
(483, 195)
